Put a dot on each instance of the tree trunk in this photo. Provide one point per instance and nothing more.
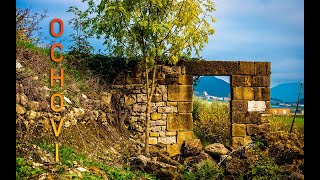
(150, 93)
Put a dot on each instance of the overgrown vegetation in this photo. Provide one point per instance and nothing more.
(211, 121)
(27, 25)
(70, 160)
(283, 123)
(207, 171)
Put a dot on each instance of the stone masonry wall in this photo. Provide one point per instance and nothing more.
(171, 111)
(250, 94)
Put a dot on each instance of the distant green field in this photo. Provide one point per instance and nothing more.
(299, 121)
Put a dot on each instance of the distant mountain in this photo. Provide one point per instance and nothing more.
(213, 86)
(287, 92)
(275, 101)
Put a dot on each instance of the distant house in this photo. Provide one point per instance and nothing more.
(280, 111)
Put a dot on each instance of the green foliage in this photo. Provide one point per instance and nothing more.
(211, 121)
(265, 169)
(283, 123)
(207, 171)
(150, 29)
(35, 49)
(27, 25)
(68, 156)
(25, 169)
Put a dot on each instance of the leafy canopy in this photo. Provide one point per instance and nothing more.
(151, 30)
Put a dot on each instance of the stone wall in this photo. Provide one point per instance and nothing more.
(250, 94)
(171, 111)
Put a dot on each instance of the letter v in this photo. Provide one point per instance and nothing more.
(55, 128)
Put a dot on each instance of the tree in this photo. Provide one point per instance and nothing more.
(80, 38)
(151, 31)
(27, 25)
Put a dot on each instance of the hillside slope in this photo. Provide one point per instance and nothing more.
(213, 86)
(287, 92)
(93, 138)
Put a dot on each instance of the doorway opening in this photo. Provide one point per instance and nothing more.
(211, 109)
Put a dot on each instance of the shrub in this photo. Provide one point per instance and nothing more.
(27, 25)
(265, 168)
(207, 171)
(211, 121)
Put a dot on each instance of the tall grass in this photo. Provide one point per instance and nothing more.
(283, 123)
(211, 121)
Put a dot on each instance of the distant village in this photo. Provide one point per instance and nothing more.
(276, 108)
(206, 96)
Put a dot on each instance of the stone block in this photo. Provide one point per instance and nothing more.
(180, 122)
(156, 98)
(164, 116)
(155, 129)
(180, 92)
(154, 134)
(247, 140)
(185, 107)
(161, 89)
(262, 68)
(160, 123)
(139, 108)
(256, 106)
(162, 133)
(165, 109)
(167, 140)
(185, 80)
(130, 100)
(239, 130)
(237, 142)
(184, 135)
(241, 80)
(267, 107)
(239, 105)
(243, 93)
(153, 140)
(159, 104)
(142, 98)
(172, 104)
(212, 68)
(152, 123)
(261, 81)
(163, 128)
(174, 149)
(171, 133)
(252, 129)
(155, 116)
(165, 97)
(246, 68)
(262, 93)
(174, 109)
(238, 117)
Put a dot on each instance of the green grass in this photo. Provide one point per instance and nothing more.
(299, 121)
(68, 156)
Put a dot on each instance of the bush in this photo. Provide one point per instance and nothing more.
(265, 168)
(207, 171)
(25, 169)
(27, 25)
(211, 121)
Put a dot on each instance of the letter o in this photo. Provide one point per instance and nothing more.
(52, 102)
(60, 27)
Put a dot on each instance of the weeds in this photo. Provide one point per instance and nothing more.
(211, 121)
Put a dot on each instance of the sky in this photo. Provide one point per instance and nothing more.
(246, 30)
